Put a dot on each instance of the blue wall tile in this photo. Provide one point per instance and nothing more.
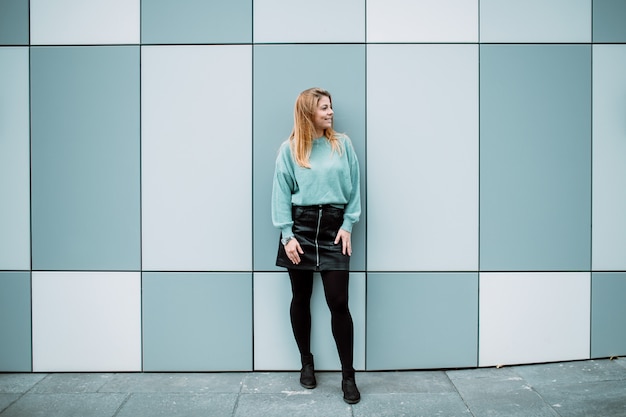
(609, 21)
(197, 321)
(535, 157)
(14, 159)
(609, 166)
(279, 77)
(196, 21)
(14, 25)
(535, 21)
(608, 314)
(422, 320)
(85, 158)
(15, 322)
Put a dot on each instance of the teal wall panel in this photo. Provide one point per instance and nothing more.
(422, 320)
(196, 21)
(535, 157)
(609, 21)
(197, 321)
(15, 319)
(14, 24)
(85, 158)
(608, 314)
(14, 160)
(609, 166)
(279, 77)
(535, 21)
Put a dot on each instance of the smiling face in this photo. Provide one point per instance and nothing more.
(323, 116)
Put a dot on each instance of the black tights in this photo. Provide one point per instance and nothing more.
(336, 292)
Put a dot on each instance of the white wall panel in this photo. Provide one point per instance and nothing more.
(84, 22)
(274, 345)
(288, 21)
(609, 165)
(196, 158)
(535, 21)
(534, 317)
(86, 321)
(422, 21)
(14, 160)
(422, 157)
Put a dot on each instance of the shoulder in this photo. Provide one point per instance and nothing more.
(284, 153)
(345, 141)
(284, 148)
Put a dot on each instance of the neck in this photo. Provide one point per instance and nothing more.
(319, 133)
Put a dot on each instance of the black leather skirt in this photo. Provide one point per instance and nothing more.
(315, 228)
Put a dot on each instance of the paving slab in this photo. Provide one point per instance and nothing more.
(289, 383)
(404, 382)
(18, 383)
(65, 405)
(184, 405)
(602, 399)
(7, 399)
(191, 383)
(295, 404)
(71, 383)
(411, 405)
(581, 372)
(499, 392)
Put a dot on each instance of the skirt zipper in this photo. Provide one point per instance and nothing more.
(317, 233)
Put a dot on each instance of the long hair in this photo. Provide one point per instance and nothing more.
(303, 133)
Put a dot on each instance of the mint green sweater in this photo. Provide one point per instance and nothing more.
(332, 179)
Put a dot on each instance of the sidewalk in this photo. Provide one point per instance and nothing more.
(585, 388)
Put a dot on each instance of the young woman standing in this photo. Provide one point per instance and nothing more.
(315, 203)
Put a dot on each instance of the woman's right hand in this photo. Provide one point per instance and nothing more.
(294, 251)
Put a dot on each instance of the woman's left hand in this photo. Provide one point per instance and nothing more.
(343, 236)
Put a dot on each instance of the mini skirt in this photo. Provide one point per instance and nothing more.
(315, 228)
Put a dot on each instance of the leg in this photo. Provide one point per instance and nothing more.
(300, 310)
(336, 291)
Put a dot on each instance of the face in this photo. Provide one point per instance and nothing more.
(323, 117)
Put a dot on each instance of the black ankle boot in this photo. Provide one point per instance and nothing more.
(307, 373)
(351, 393)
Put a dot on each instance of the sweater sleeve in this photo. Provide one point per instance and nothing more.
(283, 187)
(353, 208)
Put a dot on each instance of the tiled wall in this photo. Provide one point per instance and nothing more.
(137, 145)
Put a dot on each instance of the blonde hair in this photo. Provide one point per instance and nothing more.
(303, 133)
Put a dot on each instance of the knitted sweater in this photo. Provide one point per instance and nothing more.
(332, 179)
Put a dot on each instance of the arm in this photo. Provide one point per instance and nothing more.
(282, 188)
(352, 210)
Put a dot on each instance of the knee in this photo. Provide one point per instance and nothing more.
(338, 304)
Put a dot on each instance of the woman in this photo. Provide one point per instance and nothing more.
(315, 202)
